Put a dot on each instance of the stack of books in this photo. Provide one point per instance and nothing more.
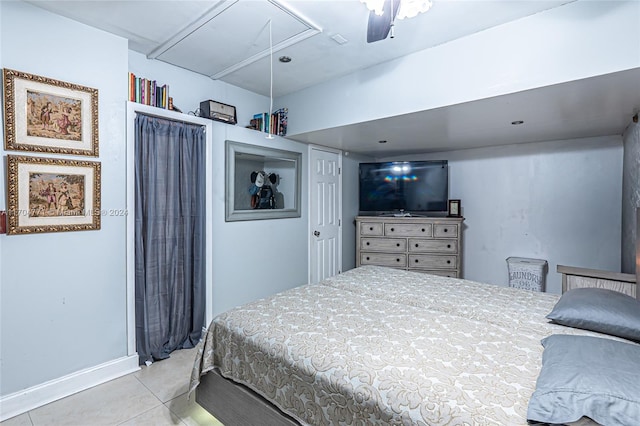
(276, 123)
(148, 92)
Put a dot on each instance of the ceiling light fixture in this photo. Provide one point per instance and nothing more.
(285, 59)
(517, 122)
(408, 8)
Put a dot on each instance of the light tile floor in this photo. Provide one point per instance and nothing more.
(153, 396)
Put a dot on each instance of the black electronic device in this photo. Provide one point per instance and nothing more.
(218, 111)
(404, 187)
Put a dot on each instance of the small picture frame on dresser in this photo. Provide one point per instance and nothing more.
(454, 208)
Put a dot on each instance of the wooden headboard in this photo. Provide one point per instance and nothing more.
(582, 277)
(624, 283)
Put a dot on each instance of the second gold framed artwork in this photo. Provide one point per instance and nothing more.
(52, 195)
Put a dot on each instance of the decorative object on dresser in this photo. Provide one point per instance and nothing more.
(423, 244)
(454, 208)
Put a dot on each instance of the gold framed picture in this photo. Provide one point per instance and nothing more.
(49, 116)
(454, 208)
(52, 195)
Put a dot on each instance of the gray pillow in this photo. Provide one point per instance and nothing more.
(587, 376)
(601, 310)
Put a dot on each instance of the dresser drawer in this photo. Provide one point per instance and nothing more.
(398, 260)
(407, 229)
(383, 244)
(427, 261)
(370, 228)
(442, 272)
(419, 245)
(445, 231)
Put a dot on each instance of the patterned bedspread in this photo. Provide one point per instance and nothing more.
(382, 346)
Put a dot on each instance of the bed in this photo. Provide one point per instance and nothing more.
(376, 345)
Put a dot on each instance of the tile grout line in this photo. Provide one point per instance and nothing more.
(174, 413)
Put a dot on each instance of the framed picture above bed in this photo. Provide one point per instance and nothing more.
(52, 195)
(49, 116)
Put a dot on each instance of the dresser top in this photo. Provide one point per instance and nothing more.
(410, 219)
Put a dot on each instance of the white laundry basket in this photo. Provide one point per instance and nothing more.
(527, 274)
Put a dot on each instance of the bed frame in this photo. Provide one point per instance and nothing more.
(235, 404)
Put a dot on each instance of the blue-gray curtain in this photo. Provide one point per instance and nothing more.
(169, 235)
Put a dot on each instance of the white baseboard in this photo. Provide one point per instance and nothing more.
(36, 396)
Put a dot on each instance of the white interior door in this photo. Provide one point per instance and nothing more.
(325, 216)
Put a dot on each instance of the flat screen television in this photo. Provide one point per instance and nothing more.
(404, 187)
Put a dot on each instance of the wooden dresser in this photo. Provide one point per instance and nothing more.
(423, 244)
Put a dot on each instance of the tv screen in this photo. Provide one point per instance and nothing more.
(404, 186)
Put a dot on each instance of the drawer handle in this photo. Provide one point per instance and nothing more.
(423, 230)
(448, 245)
(416, 260)
(371, 228)
(397, 260)
(448, 261)
(397, 244)
(367, 242)
(392, 229)
(367, 257)
(417, 245)
(446, 229)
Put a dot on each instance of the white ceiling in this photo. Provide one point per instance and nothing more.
(229, 40)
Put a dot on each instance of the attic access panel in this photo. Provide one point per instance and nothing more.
(220, 45)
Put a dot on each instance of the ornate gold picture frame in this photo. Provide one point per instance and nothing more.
(52, 195)
(49, 116)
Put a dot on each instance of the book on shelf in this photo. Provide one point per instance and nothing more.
(275, 123)
(148, 92)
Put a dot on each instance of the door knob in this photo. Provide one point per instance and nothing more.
(316, 233)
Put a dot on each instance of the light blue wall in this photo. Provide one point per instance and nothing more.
(254, 259)
(63, 295)
(62, 304)
(556, 200)
(350, 205)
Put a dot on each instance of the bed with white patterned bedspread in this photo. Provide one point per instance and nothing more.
(381, 346)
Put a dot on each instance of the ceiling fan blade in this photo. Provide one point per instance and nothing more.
(379, 25)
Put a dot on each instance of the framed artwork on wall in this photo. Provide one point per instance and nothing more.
(52, 195)
(49, 116)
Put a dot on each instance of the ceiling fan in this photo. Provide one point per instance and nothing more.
(383, 13)
(380, 25)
